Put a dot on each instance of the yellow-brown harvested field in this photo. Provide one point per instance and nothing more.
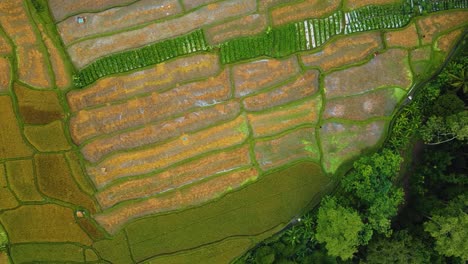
(407, 38)
(38, 107)
(50, 137)
(55, 180)
(303, 10)
(446, 42)
(63, 77)
(341, 142)
(144, 161)
(264, 5)
(344, 51)
(243, 26)
(299, 144)
(157, 78)
(7, 198)
(22, 180)
(432, 25)
(190, 196)
(33, 67)
(387, 69)
(254, 76)
(5, 47)
(176, 177)
(284, 118)
(5, 74)
(363, 106)
(117, 18)
(61, 11)
(155, 107)
(304, 86)
(32, 64)
(43, 223)
(161, 131)
(11, 141)
(354, 4)
(86, 51)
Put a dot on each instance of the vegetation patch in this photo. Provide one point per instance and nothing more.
(7, 199)
(5, 74)
(45, 252)
(50, 137)
(22, 180)
(38, 107)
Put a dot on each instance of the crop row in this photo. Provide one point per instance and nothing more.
(138, 58)
(424, 6)
(284, 40)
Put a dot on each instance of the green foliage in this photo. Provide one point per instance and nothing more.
(450, 233)
(3, 239)
(448, 104)
(438, 129)
(38, 5)
(401, 247)
(339, 228)
(142, 57)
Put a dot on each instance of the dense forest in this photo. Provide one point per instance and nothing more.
(405, 203)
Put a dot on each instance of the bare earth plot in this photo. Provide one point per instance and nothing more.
(188, 131)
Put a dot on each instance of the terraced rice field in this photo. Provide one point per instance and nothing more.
(188, 131)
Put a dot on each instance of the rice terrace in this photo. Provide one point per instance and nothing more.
(188, 131)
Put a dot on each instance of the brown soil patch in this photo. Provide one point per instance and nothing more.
(63, 76)
(407, 38)
(303, 10)
(344, 51)
(354, 4)
(11, 142)
(84, 52)
(33, 67)
(161, 131)
(61, 10)
(304, 86)
(90, 228)
(157, 78)
(176, 177)
(432, 25)
(183, 198)
(5, 47)
(117, 18)
(158, 157)
(421, 54)
(264, 5)
(56, 181)
(341, 142)
(38, 107)
(244, 26)
(254, 76)
(155, 107)
(362, 107)
(386, 69)
(5, 74)
(22, 180)
(43, 223)
(446, 42)
(32, 64)
(284, 118)
(190, 4)
(295, 145)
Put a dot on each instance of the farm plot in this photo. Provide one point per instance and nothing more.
(86, 51)
(446, 42)
(276, 152)
(61, 11)
(7, 197)
(143, 161)
(151, 108)
(342, 141)
(367, 77)
(407, 38)
(354, 4)
(305, 85)
(32, 63)
(39, 137)
(154, 79)
(182, 198)
(303, 10)
(22, 180)
(377, 103)
(5, 74)
(256, 75)
(285, 117)
(116, 19)
(244, 26)
(343, 51)
(175, 177)
(431, 26)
